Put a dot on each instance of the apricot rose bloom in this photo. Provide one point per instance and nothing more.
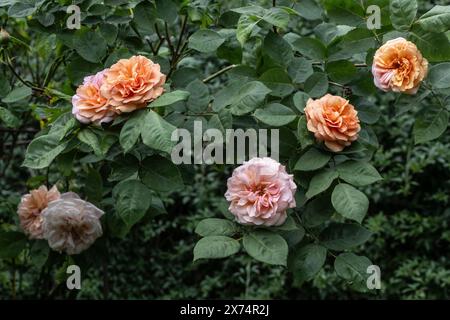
(131, 83)
(89, 104)
(333, 120)
(70, 224)
(31, 207)
(399, 66)
(260, 191)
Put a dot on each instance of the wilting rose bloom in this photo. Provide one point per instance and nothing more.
(89, 104)
(399, 66)
(31, 207)
(333, 120)
(131, 83)
(71, 224)
(260, 191)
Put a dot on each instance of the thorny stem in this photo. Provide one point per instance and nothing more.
(177, 52)
(13, 280)
(248, 271)
(218, 73)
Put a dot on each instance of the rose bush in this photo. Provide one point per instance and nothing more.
(114, 90)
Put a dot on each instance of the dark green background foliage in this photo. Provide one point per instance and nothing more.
(409, 212)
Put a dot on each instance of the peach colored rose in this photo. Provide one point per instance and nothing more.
(30, 209)
(399, 66)
(333, 120)
(260, 191)
(70, 224)
(89, 105)
(131, 83)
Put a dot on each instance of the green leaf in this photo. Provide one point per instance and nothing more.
(42, 151)
(317, 211)
(277, 17)
(93, 186)
(430, 125)
(129, 134)
(312, 159)
(89, 137)
(222, 97)
(435, 47)
(277, 48)
(39, 253)
(156, 133)
(309, 9)
(17, 94)
(215, 247)
(341, 71)
(300, 69)
(350, 202)
(345, 12)
(358, 173)
(278, 81)
(250, 96)
(216, 227)
(435, 20)
(368, 114)
(266, 246)
(109, 32)
(166, 10)
(170, 98)
(311, 48)
(300, 99)
(316, 85)
(275, 114)
(132, 200)
(343, 236)
(321, 182)
(353, 268)
(145, 17)
(11, 244)
(205, 40)
(199, 96)
(160, 174)
(22, 8)
(90, 45)
(305, 262)
(245, 26)
(123, 167)
(10, 120)
(439, 75)
(403, 13)
(304, 136)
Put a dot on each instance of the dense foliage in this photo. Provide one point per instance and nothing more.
(228, 64)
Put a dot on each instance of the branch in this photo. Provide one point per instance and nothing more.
(218, 73)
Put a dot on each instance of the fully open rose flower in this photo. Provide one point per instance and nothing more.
(89, 105)
(260, 191)
(333, 120)
(131, 83)
(71, 224)
(30, 209)
(399, 66)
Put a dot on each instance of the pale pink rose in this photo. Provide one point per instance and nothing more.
(399, 66)
(89, 105)
(70, 224)
(333, 120)
(131, 84)
(260, 191)
(30, 209)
